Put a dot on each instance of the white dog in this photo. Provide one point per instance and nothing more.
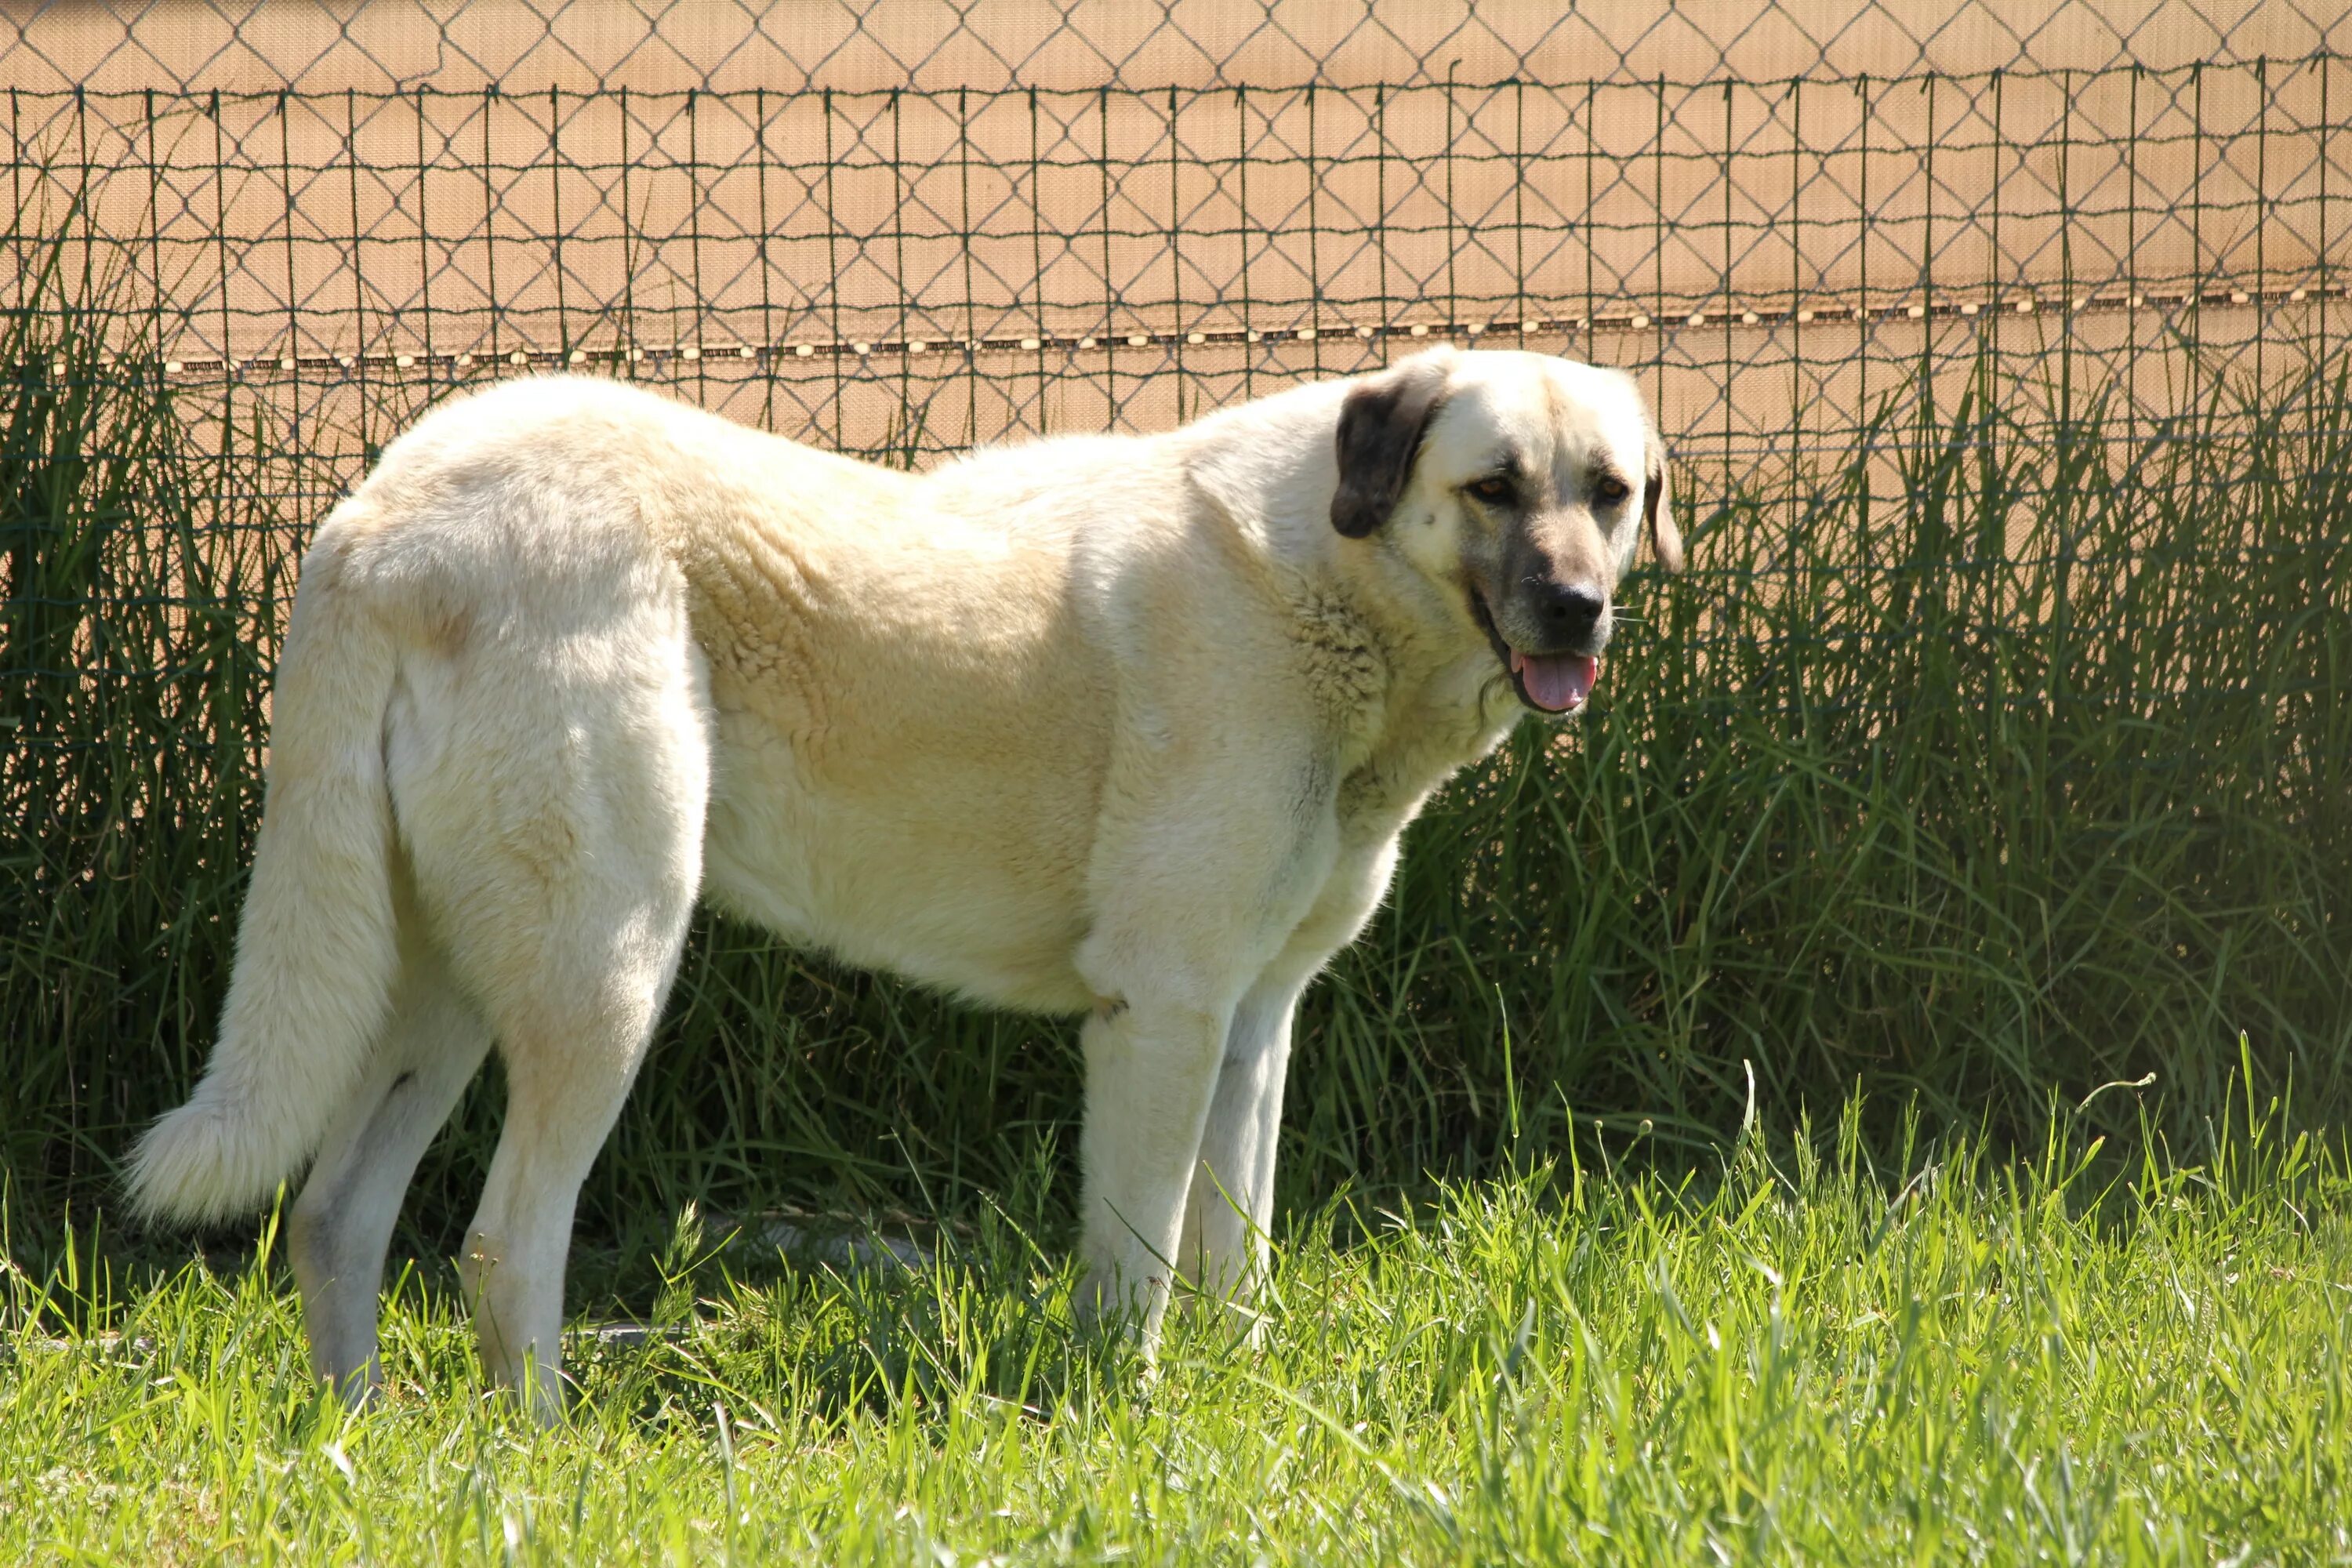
(1125, 726)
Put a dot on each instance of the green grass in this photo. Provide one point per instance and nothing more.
(1790, 1359)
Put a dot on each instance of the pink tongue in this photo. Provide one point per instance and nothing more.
(1556, 682)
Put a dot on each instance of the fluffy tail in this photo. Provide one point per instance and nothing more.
(317, 952)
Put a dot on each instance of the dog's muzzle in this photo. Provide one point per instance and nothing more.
(1550, 683)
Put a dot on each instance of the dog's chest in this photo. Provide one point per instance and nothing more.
(1423, 739)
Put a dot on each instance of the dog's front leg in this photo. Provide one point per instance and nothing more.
(1151, 1067)
(1225, 1235)
(1203, 869)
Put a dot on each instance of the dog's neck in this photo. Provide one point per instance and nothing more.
(1437, 699)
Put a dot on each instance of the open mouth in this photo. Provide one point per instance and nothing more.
(1552, 683)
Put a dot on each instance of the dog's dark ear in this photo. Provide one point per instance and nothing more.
(1381, 426)
(1656, 509)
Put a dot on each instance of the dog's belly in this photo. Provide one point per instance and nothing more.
(969, 880)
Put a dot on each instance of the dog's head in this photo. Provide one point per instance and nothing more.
(1518, 484)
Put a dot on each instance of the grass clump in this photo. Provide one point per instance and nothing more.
(2008, 757)
(140, 596)
(1791, 1360)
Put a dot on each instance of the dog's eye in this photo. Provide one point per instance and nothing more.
(1494, 490)
(1612, 491)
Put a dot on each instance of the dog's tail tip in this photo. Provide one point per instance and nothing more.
(203, 1164)
(318, 944)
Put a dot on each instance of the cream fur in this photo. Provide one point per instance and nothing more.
(1117, 726)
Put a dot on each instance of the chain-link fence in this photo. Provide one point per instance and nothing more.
(464, 45)
(423, 199)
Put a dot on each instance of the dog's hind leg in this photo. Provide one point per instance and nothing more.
(568, 1071)
(561, 898)
(338, 1228)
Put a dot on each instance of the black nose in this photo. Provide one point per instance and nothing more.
(1568, 610)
